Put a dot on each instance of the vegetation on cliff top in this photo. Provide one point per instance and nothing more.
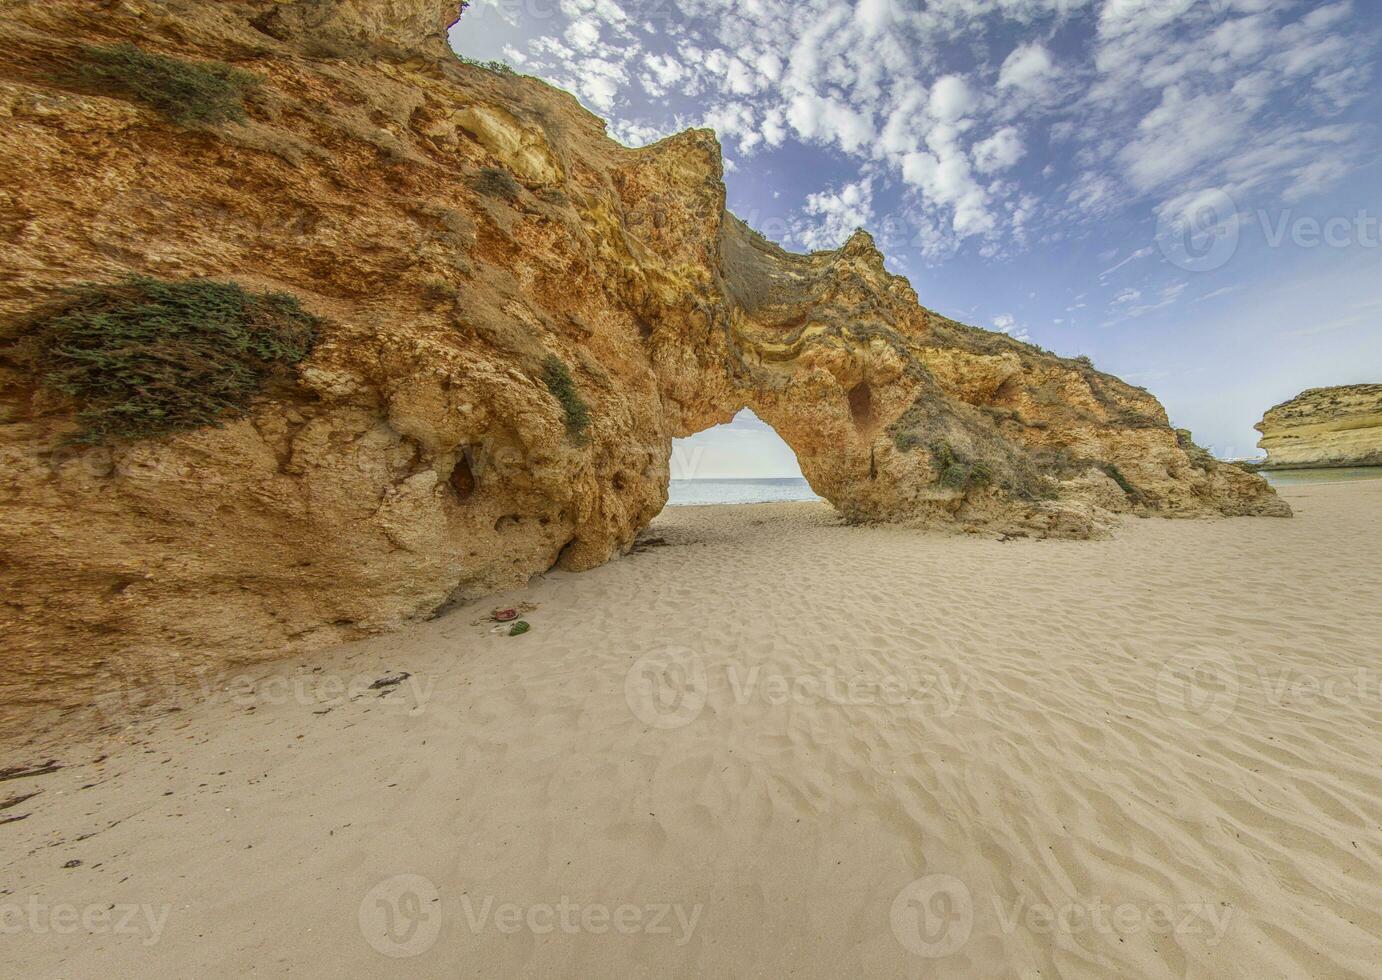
(187, 92)
(498, 67)
(146, 358)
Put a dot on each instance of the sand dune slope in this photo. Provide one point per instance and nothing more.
(773, 746)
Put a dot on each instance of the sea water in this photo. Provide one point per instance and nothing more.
(684, 493)
(1340, 474)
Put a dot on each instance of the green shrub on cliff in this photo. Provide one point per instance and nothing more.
(146, 358)
(956, 471)
(187, 92)
(1116, 475)
(559, 382)
(906, 440)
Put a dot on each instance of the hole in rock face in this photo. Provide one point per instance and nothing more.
(462, 479)
(861, 405)
(1006, 392)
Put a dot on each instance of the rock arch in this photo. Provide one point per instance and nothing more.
(458, 229)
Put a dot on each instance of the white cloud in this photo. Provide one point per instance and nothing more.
(1181, 134)
(1140, 253)
(583, 35)
(1130, 305)
(1029, 69)
(1238, 83)
(736, 121)
(905, 122)
(873, 15)
(834, 215)
(774, 129)
(944, 177)
(600, 81)
(640, 134)
(1007, 323)
(769, 65)
(663, 71)
(951, 98)
(828, 120)
(735, 77)
(999, 152)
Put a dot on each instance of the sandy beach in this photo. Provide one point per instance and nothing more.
(767, 744)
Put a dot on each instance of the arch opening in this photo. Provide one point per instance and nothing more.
(741, 461)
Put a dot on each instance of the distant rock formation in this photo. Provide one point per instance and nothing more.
(517, 314)
(1324, 427)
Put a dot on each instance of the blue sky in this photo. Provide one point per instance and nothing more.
(1185, 190)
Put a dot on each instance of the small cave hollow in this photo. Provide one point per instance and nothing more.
(462, 478)
(861, 405)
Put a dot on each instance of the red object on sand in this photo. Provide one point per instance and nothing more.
(504, 615)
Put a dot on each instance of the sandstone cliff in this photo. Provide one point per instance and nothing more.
(1324, 427)
(517, 315)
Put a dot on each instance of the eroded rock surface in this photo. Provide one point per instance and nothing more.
(1324, 427)
(456, 229)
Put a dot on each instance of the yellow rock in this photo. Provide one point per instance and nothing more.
(522, 149)
(1325, 427)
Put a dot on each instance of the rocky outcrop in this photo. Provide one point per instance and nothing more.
(1324, 427)
(517, 316)
(347, 27)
